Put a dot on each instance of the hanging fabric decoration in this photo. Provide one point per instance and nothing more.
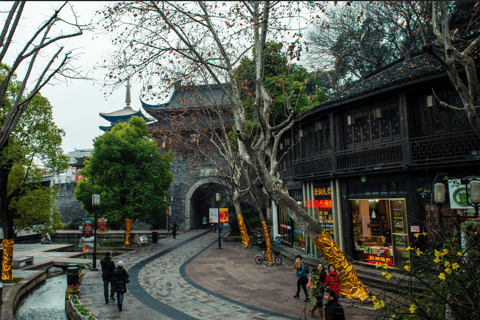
(373, 214)
(128, 231)
(243, 231)
(351, 286)
(7, 262)
(269, 244)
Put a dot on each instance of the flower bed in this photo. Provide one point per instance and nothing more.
(80, 311)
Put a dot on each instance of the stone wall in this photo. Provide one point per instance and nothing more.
(69, 207)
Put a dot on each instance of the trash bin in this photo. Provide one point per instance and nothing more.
(278, 240)
(72, 276)
(154, 237)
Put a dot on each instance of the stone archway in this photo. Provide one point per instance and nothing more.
(191, 219)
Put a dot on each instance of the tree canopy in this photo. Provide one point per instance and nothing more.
(128, 172)
(35, 138)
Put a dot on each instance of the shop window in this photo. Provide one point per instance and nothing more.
(384, 188)
(367, 189)
(402, 187)
(392, 188)
(351, 190)
(359, 189)
(372, 125)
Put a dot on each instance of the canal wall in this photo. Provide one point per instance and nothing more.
(16, 292)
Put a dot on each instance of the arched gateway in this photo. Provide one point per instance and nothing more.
(193, 189)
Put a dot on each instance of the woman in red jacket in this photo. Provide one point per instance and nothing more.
(332, 281)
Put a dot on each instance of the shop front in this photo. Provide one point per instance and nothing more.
(380, 230)
(287, 228)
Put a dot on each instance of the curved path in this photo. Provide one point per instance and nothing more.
(188, 278)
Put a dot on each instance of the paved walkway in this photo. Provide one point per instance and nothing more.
(188, 278)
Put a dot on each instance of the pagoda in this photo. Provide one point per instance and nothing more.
(122, 115)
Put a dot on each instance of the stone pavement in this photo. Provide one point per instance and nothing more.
(189, 278)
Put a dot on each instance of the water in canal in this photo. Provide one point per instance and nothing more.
(46, 301)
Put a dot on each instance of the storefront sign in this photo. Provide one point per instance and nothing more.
(458, 195)
(323, 191)
(318, 204)
(379, 260)
(213, 215)
(223, 213)
(208, 172)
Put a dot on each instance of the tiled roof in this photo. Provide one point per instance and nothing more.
(419, 66)
(405, 71)
(188, 97)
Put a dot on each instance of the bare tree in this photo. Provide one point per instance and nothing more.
(49, 35)
(215, 36)
(456, 55)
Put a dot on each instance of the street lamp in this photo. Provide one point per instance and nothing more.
(472, 195)
(95, 204)
(218, 197)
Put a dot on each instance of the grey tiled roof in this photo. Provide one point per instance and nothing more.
(405, 71)
(188, 97)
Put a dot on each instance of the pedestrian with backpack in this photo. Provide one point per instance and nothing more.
(120, 278)
(108, 267)
(301, 272)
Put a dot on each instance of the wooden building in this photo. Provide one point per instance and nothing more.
(363, 163)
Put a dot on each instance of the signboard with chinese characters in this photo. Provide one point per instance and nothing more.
(87, 226)
(223, 215)
(102, 225)
(213, 215)
(208, 172)
(323, 191)
(301, 241)
(379, 260)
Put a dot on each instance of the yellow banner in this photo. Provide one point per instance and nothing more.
(128, 231)
(7, 262)
(267, 239)
(243, 231)
(351, 286)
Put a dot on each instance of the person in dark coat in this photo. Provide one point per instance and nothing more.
(302, 278)
(174, 230)
(120, 277)
(318, 288)
(333, 309)
(108, 267)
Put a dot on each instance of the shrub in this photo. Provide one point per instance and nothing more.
(442, 282)
(83, 311)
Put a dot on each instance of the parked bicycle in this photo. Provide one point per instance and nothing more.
(259, 258)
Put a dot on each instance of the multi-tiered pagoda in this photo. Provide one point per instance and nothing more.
(122, 115)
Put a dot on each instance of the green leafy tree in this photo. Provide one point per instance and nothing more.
(286, 82)
(32, 203)
(128, 172)
(36, 137)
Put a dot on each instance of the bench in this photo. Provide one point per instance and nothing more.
(22, 262)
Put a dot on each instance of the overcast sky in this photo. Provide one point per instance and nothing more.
(77, 104)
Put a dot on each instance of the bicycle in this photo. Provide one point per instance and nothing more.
(259, 258)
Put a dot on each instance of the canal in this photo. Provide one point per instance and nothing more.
(45, 301)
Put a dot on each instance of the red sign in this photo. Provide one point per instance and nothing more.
(379, 260)
(318, 204)
(223, 215)
(87, 226)
(301, 241)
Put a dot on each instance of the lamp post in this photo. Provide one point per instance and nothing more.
(95, 204)
(473, 195)
(218, 197)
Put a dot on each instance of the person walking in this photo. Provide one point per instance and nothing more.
(174, 229)
(120, 278)
(108, 267)
(333, 309)
(302, 279)
(332, 281)
(317, 283)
